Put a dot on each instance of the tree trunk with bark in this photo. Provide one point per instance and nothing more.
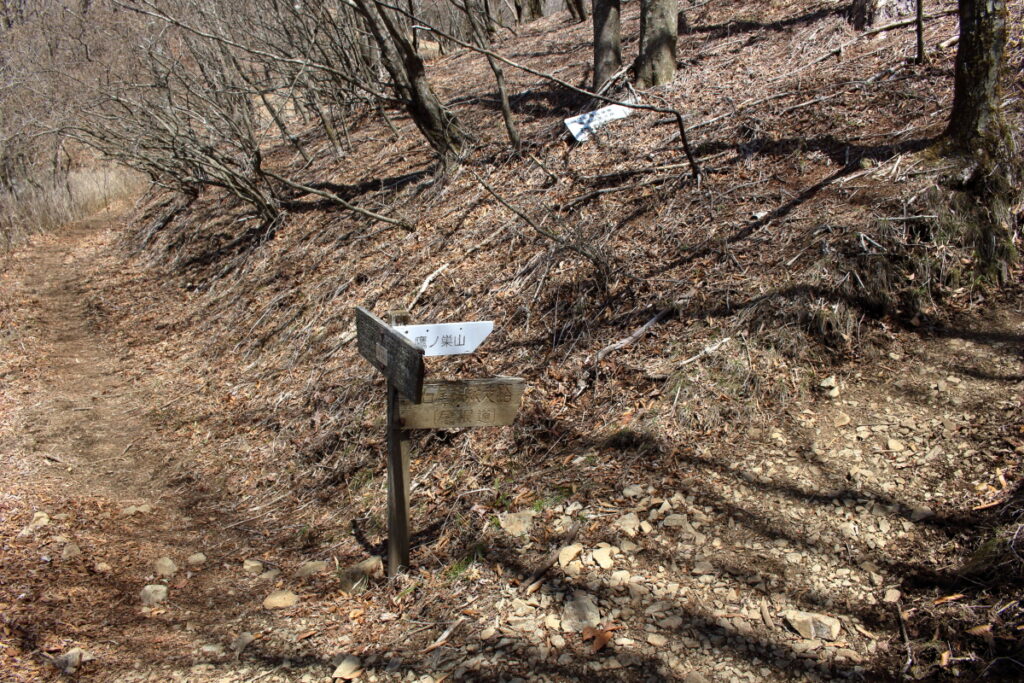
(437, 124)
(978, 132)
(976, 119)
(578, 10)
(607, 41)
(659, 24)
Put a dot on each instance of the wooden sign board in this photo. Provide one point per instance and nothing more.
(491, 402)
(447, 339)
(396, 357)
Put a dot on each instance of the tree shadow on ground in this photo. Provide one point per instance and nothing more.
(733, 27)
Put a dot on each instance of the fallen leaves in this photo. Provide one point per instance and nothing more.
(600, 636)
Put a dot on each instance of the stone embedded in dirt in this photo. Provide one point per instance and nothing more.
(633, 491)
(143, 509)
(892, 595)
(307, 569)
(629, 523)
(70, 661)
(568, 554)
(676, 521)
(196, 560)
(280, 600)
(165, 568)
(71, 552)
(488, 633)
(920, 513)
(39, 520)
(894, 445)
(517, 523)
(349, 668)
(153, 594)
(269, 575)
(813, 626)
(553, 622)
(828, 382)
(694, 677)
(657, 640)
(101, 567)
(241, 642)
(252, 566)
(580, 612)
(841, 420)
(603, 557)
(357, 577)
(212, 650)
(619, 578)
(703, 567)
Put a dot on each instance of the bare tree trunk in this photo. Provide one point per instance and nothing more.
(659, 26)
(483, 38)
(607, 41)
(919, 28)
(438, 125)
(528, 10)
(578, 10)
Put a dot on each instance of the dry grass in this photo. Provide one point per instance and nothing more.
(47, 205)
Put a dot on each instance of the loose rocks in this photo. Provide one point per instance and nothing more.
(153, 594)
(280, 600)
(811, 625)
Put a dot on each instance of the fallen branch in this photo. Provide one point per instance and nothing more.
(536, 579)
(707, 351)
(330, 196)
(622, 343)
(426, 283)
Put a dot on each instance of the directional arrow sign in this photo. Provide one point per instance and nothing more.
(447, 339)
(391, 353)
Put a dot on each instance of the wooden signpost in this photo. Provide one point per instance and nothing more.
(397, 352)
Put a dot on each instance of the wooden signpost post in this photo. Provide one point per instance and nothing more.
(397, 352)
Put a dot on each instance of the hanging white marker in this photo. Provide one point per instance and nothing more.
(447, 339)
(583, 126)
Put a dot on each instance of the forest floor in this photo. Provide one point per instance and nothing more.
(772, 429)
(693, 575)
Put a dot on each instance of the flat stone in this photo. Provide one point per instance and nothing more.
(894, 445)
(619, 578)
(153, 594)
(252, 566)
(628, 523)
(349, 668)
(580, 612)
(39, 520)
(694, 677)
(603, 557)
(241, 642)
(280, 600)
(703, 567)
(517, 523)
(676, 521)
(101, 567)
(633, 491)
(568, 554)
(813, 626)
(841, 420)
(71, 552)
(270, 574)
(165, 568)
(196, 559)
(69, 662)
(657, 640)
(892, 596)
(308, 569)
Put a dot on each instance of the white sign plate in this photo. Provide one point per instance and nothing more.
(447, 339)
(583, 126)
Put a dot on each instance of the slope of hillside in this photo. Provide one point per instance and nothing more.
(779, 390)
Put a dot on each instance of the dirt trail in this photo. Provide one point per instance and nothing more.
(79, 441)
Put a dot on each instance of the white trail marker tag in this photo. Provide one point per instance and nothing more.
(584, 125)
(447, 339)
